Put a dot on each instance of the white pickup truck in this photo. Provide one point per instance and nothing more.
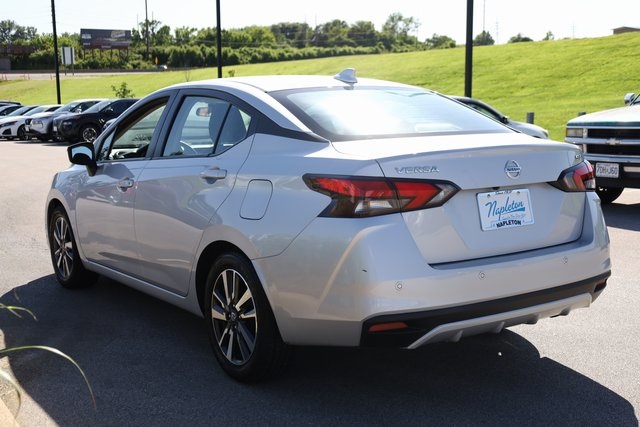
(610, 140)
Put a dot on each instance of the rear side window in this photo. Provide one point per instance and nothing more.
(205, 126)
(368, 112)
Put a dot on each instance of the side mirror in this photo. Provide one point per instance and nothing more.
(109, 111)
(628, 98)
(505, 119)
(82, 154)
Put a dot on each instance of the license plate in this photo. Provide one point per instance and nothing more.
(607, 170)
(505, 209)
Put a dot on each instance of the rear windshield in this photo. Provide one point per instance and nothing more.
(376, 112)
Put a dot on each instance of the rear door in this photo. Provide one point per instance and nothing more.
(190, 176)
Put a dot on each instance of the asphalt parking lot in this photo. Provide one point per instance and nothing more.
(150, 363)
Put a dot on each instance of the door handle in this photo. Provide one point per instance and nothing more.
(213, 174)
(125, 184)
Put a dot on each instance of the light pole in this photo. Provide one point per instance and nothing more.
(146, 26)
(219, 39)
(468, 69)
(55, 49)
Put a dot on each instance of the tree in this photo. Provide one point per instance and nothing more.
(334, 33)
(10, 33)
(440, 42)
(483, 39)
(396, 30)
(294, 34)
(260, 36)
(519, 38)
(184, 35)
(363, 33)
(549, 36)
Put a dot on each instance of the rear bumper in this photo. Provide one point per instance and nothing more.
(451, 324)
(338, 278)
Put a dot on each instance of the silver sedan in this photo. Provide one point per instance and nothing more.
(311, 210)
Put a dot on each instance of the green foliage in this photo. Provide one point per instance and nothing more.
(519, 38)
(123, 91)
(483, 39)
(440, 42)
(6, 351)
(554, 79)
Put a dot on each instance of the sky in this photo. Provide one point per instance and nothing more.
(501, 18)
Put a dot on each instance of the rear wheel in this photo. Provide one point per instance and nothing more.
(67, 265)
(242, 329)
(89, 133)
(608, 194)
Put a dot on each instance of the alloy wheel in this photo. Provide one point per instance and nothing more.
(89, 134)
(233, 314)
(62, 246)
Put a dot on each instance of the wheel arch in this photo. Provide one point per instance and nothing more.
(207, 258)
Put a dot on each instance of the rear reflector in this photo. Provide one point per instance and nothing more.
(391, 326)
(357, 197)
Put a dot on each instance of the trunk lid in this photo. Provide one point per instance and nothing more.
(505, 203)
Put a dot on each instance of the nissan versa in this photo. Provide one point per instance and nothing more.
(312, 210)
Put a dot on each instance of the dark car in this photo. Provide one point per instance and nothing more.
(86, 126)
(40, 125)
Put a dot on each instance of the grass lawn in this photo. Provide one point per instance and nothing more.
(553, 79)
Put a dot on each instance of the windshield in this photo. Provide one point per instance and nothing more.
(635, 100)
(97, 107)
(377, 112)
(68, 107)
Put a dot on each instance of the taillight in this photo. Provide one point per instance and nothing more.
(577, 178)
(357, 197)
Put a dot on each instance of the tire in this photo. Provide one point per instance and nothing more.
(21, 134)
(89, 133)
(608, 194)
(241, 326)
(67, 264)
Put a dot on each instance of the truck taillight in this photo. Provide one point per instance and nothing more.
(577, 178)
(357, 197)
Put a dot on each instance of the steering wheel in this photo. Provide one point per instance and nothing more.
(187, 149)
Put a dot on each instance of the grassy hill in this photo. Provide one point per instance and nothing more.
(553, 79)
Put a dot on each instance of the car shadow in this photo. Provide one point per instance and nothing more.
(150, 363)
(623, 216)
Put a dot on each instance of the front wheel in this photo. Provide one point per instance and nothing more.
(608, 194)
(241, 326)
(67, 264)
(21, 133)
(89, 133)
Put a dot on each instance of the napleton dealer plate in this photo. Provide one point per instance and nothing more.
(504, 209)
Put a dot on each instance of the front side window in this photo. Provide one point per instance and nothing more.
(132, 137)
(378, 112)
(205, 126)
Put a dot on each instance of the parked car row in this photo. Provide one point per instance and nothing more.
(79, 120)
(12, 126)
